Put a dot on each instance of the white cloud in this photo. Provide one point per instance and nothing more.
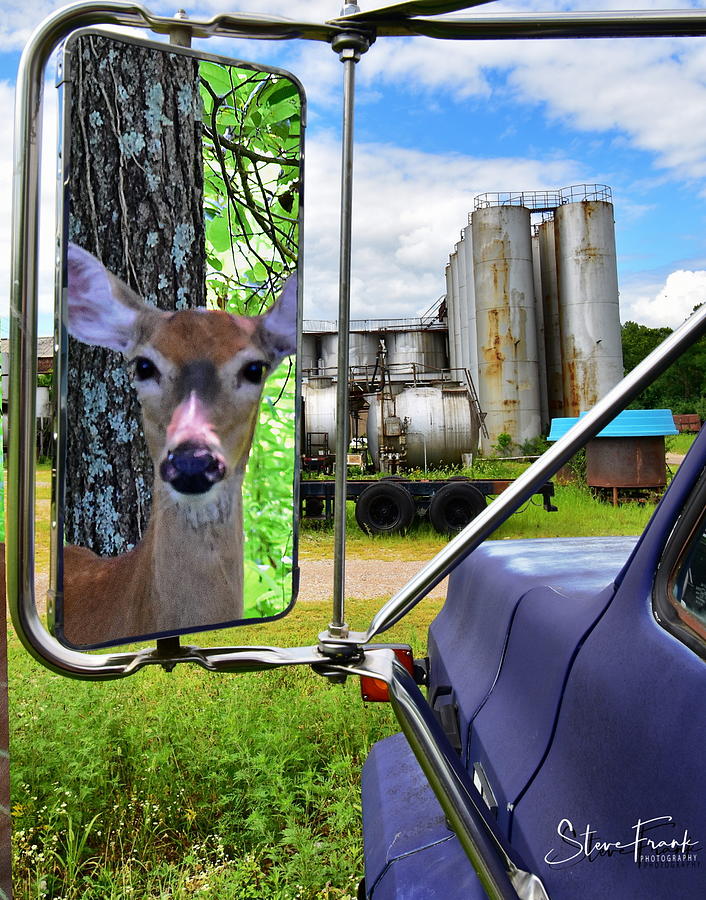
(668, 303)
(410, 209)
(410, 206)
(47, 195)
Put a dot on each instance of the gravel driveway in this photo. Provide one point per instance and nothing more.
(364, 578)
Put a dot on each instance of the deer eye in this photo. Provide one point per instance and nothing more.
(254, 372)
(145, 369)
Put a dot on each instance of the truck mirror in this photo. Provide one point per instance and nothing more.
(176, 378)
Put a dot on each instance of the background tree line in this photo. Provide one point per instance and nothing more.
(682, 388)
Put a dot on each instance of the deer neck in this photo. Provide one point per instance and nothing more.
(196, 551)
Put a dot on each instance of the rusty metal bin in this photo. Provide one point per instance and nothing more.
(629, 452)
(626, 462)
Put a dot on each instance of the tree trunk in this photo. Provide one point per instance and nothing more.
(136, 202)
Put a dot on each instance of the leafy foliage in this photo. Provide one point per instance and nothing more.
(682, 388)
(252, 160)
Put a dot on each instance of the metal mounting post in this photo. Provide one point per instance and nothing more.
(180, 35)
(349, 46)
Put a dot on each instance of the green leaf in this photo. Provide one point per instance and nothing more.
(218, 234)
(217, 76)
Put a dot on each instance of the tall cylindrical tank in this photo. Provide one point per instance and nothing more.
(552, 320)
(463, 274)
(418, 351)
(450, 316)
(588, 298)
(439, 422)
(455, 335)
(469, 337)
(508, 368)
(539, 314)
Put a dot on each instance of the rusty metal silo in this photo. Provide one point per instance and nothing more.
(455, 322)
(539, 314)
(588, 298)
(469, 337)
(508, 369)
(463, 274)
(448, 276)
(552, 319)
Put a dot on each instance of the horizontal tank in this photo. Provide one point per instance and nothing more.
(438, 422)
(319, 398)
(426, 350)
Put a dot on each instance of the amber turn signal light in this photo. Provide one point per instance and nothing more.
(374, 690)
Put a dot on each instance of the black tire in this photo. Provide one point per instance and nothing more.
(455, 505)
(385, 508)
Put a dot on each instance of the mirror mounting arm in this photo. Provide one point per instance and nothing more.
(349, 46)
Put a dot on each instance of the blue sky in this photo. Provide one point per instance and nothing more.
(439, 122)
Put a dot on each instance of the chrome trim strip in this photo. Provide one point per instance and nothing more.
(486, 848)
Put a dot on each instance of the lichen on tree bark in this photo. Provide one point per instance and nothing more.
(136, 202)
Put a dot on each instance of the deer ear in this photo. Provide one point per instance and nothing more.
(279, 324)
(101, 309)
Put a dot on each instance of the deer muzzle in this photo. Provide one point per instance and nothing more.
(195, 463)
(192, 468)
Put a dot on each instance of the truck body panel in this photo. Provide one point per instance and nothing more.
(579, 715)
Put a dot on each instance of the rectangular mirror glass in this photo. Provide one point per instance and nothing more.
(176, 439)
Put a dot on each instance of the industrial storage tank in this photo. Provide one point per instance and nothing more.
(363, 350)
(539, 316)
(310, 353)
(448, 277)
(552, 319)
(587, 280)
(462, 300)
(439, 423)
(455, 312)
(319, 395)
(423, 349)
(508, 367)
(469, 338)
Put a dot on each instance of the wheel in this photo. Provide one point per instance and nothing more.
(454, 505)
(384, 508)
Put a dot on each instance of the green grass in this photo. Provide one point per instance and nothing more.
(679, 443)
(189, 783)
(161, 784)
(579, 514)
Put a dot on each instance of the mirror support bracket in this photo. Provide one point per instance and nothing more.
(180, 35)
(349, 46)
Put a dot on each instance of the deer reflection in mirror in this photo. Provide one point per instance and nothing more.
(199, 376)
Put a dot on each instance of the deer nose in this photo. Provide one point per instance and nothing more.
(192, 468)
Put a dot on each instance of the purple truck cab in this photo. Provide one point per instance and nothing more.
(569, 676)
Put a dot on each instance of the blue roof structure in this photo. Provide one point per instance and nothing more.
(628, 423)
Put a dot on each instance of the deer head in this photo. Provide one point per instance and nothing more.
(198, 374)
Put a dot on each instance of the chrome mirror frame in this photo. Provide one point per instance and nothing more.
(23, 335)
(339, 651)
